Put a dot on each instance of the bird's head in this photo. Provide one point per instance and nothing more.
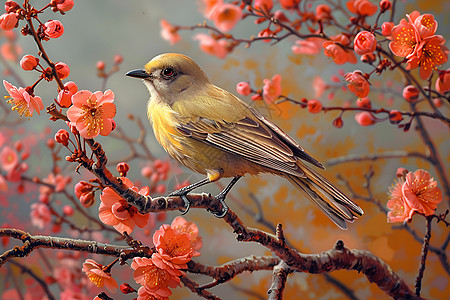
(170, 76)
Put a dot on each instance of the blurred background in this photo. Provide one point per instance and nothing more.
(98, 30)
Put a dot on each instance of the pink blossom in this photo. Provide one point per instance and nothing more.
(63, 5)
(338, 53)
(323, 12)
(155, 280)
(11, 6)
(225, 16)
(362, 7)
(272, 89)
(96, 274)
(115, 211)
(319, 86)
(22, 101)
(426, 25)
(399, 210)
(8, 158)
(310, 46)
(263, 5)
(365, 42)
(212, 46)
(180, 225)
(173, 248)
(357, 83)
(8, 21)
(243, 88)
(404, 39)
(289, 4)
(421, 192)
(430, 53)
(65, 95)
(443, 81)
(54, 29)
(40, 215)
(169, 32)
(386, 28)
(92, 113)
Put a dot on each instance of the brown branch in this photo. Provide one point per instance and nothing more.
(280, 274)
(32, 242)
(39, 280)
(195, 289)
(426, 243)
(228, 271)
(376, 156)
(339, 258)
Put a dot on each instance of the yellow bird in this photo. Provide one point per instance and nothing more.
(213, 132)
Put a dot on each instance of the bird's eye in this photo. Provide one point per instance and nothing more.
(168, 73)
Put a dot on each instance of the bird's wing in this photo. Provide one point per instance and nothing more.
(290, 142)
(249, 138)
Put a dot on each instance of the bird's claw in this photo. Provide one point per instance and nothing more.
(182, 195)
(220, 214)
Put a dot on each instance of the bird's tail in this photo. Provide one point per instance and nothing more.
(335, 204)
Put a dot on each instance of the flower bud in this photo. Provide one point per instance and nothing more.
(8, 21)
(395, 116)
(365, 42)
(29, 62)
(385, 5)
(11, 6)
(123, 168)
(62, 70)
(314, 106)
(54, 29)
(365, 118)
(410, 93)
(243, 88)
(62, 137)
(368, 58)
(386, 28)
(364, 102)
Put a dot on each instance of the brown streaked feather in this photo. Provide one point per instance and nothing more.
(248, 139)
(298, 150)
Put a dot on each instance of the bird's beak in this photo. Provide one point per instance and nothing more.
(138, 74)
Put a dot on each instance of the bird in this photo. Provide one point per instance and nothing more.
(213, 132)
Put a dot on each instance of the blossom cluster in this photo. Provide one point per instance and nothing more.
(175, 245)
(415, 192)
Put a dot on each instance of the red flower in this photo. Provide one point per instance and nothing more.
(386, 28)
(272, 88)
(421, 192)
(430, 53)
(225, 16)
(365, 118)
(24, 103)
(365, 42)
(173, 248)
(404, 39)
(63, 5)
(308, 46)
(399, 210)
(410, 93)
(358, 84)
(182, 226)
(98, 276)
(92, 113)
(443, 81)
(212, 46)
(338, 53)
(169, 32)
(155, 280)
(62, 70)
(362, 7)
(115, 211)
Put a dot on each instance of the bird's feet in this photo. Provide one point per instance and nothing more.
(182, 194)
(221, 213)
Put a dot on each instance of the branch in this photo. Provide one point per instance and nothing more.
(339, 258)
(376, 156)
(280, 274)
(32, 242)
